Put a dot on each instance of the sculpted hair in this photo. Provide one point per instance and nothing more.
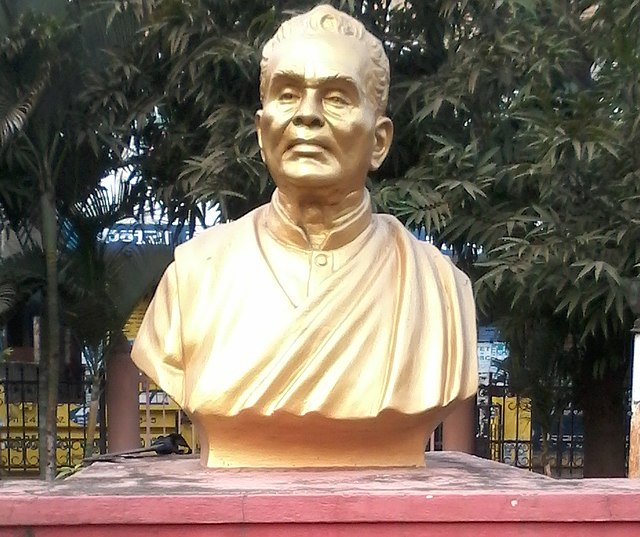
(326, 19)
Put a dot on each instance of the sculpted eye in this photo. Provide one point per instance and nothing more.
(337, 99)
(287, 96)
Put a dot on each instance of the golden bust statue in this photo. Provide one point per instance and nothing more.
(311, 332)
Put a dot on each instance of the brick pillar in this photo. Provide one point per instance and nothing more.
(459, 428)
(123, 408)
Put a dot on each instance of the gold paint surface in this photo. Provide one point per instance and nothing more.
(311, 332)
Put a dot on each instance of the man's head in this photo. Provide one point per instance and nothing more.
(325, 20)
(324, 86)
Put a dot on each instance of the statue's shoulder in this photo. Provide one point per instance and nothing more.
(401, 233)
(424, 251)
(215, 241)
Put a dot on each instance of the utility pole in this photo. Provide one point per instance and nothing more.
(634, 435)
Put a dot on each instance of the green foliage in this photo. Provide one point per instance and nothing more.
(5, 354)
(530, 152)
(99, 286)
(53, 152)
(68, 471)
(530, 170)
(188, 92)
(542, 358)
(53, 141)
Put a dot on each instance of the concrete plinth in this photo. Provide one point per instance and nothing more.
(457, 495)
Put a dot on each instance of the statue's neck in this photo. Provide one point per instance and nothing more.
(318, 216)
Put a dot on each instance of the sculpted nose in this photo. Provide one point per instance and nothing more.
(308, 113)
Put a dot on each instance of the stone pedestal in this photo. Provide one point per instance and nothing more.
(455, 496)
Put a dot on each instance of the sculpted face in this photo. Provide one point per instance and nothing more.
(318, 127)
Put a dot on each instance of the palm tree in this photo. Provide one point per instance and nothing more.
(104, 283)
(53, 150)
(99, 285)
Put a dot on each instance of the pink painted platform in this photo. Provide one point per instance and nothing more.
(457, 495)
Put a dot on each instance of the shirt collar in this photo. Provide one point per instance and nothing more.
(347, 228)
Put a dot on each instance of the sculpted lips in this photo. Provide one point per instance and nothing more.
(306, 146)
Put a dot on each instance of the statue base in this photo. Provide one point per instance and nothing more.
(282, 440)
(455, 495)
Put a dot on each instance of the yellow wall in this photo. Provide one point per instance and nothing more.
(511, 430)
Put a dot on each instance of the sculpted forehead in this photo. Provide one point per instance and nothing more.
(320, 57)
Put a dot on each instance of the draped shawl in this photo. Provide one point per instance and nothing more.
(392, 329)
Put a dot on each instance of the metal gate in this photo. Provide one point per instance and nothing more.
(19, 440)
(507, 432)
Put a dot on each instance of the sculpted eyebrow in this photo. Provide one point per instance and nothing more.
(284, 76)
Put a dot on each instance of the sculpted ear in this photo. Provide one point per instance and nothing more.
(258, 121)
(382, 143)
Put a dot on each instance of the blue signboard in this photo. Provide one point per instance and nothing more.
(144, 235)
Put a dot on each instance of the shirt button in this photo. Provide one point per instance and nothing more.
(321, 260)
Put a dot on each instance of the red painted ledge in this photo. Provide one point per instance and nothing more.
(456, 495)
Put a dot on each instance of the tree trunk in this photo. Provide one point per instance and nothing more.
(603, 407)
(50, 361)
(96, 382)
(545, 458)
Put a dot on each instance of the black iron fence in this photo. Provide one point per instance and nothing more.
(19, 439)
(504, 424)
(508, 431)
